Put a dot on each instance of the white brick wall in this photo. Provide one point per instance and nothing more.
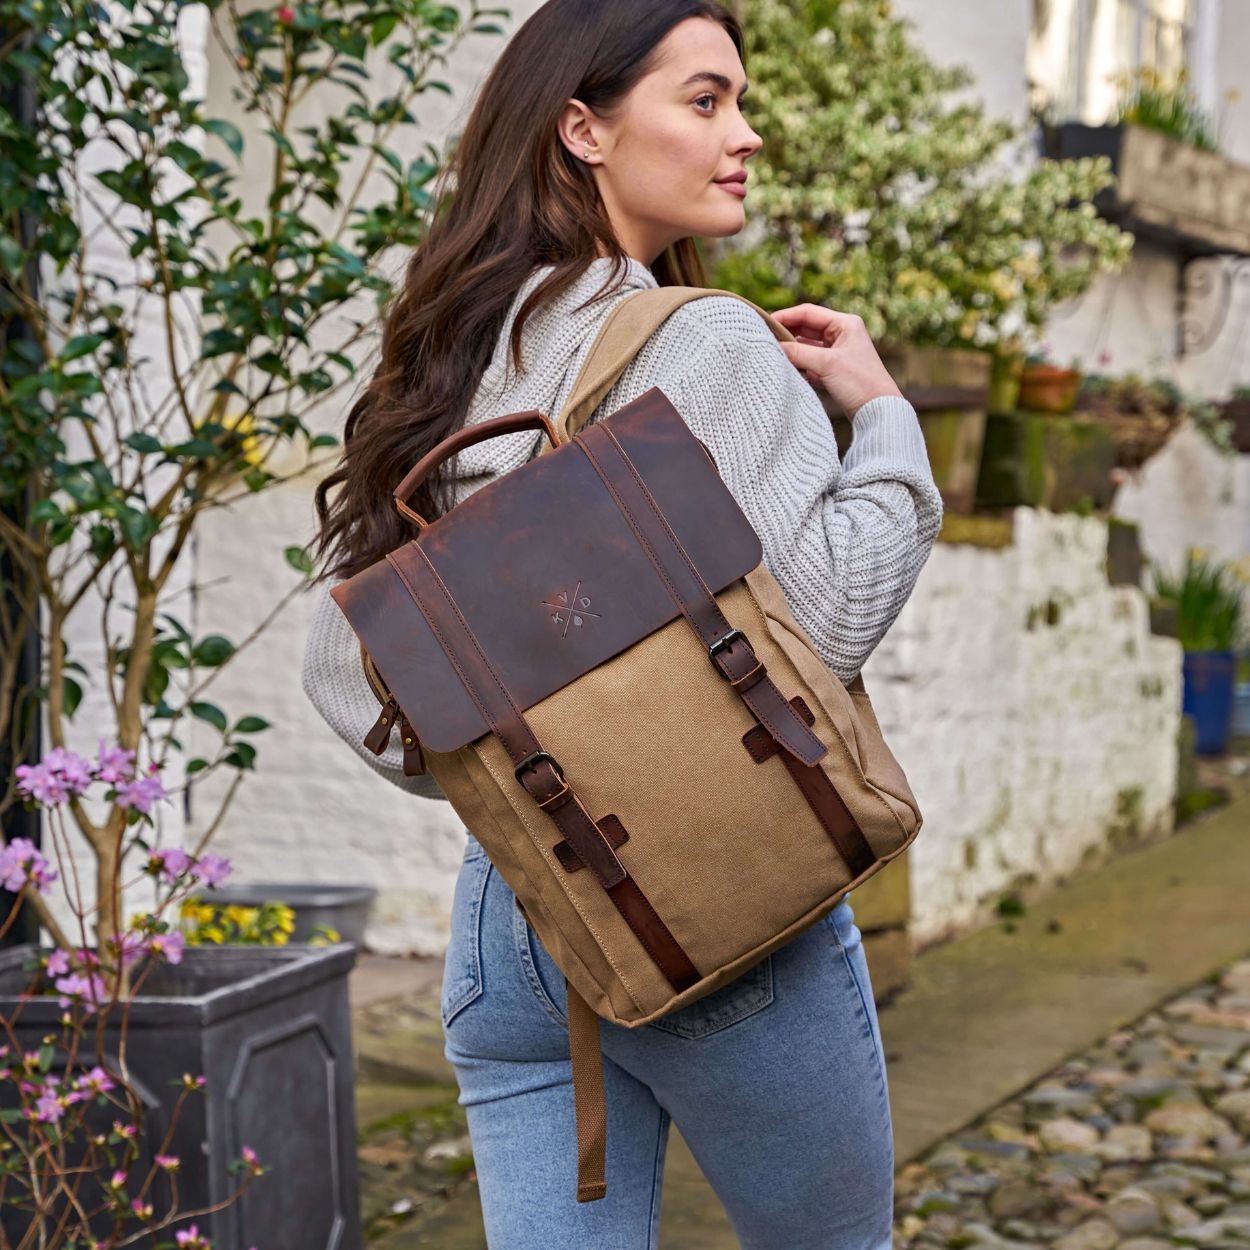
(1028, 743)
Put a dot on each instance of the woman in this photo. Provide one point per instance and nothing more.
(605, 140)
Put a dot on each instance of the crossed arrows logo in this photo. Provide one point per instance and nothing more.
(570, 609)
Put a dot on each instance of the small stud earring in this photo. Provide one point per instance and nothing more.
(586, 154)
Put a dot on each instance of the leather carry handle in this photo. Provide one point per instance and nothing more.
(464, 437)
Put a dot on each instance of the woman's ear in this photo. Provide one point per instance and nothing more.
(577, 132)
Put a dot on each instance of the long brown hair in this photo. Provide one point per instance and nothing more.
(512, 198)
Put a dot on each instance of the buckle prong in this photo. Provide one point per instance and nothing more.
(530, 760)
(723, 644)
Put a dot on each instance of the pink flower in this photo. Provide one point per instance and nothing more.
(118, 1179)
(114, 763)
(170, 863)
(286, 15)
(168, 1162)
(58, 963)
(72, 768)
(190, 1237)
(49, 1106)
(142, 792)
(142, 1209)
(21, 861)
(39, 782)
(168, 944)
(212, 869)
(90, 990)
(131, 946)
(97, 1081)
(124, 1130)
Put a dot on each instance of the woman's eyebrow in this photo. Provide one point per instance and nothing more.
(707, 75)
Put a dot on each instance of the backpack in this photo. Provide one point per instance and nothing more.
(608, 685)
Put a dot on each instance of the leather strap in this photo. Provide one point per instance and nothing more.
(590, 1109)
(824, 800)
(536, 770)
(736, 661)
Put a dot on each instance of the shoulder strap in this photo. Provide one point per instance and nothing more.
(629, 325)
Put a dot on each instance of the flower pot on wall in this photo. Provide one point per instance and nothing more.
(949, 388)
(1045, 388)
(270, 1029)
(1209, 679)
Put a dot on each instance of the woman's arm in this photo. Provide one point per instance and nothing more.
(845, 541)
(335, 682)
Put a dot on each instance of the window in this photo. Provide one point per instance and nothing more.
(1079, 48)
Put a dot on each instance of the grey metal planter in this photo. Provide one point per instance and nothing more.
(345, 908)
(270, 1029)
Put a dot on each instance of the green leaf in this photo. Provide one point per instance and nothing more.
(71, 695)
(136, 527)
(46, 510)
(81, 345)
(211, 651)
(209, 712)
(196, 765)
(227, 132)
(299, 559)
(242, 755)
(251, 725)
(140, 441)
(382, 28)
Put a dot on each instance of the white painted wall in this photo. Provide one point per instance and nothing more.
(1027, 744)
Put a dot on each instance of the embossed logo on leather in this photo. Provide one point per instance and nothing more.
(570, 610)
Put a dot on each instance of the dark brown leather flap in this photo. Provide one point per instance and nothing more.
(548, 573)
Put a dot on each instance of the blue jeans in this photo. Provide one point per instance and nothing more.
(776, 1081)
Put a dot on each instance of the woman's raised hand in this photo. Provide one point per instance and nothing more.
(834, 349)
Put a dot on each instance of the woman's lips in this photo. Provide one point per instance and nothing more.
(734, 188)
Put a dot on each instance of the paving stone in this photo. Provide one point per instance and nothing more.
(1134, 1212)
(1094, 1234)
(1188, 1120)
(1067, 1134)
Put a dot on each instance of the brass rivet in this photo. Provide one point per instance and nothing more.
(407, 742)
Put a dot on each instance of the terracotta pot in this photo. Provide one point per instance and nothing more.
(1045, 388)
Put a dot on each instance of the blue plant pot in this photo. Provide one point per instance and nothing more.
(1209, 677)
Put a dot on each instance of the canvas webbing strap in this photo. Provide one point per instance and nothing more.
(626, 328)
(590, 1107)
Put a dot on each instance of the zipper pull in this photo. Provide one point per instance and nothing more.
(380, 735)
(414, 757)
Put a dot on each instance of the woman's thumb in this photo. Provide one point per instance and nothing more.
(814, 360)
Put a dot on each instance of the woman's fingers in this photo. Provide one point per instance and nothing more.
(814, 321)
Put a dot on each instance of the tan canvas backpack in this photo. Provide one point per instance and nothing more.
(608, 685)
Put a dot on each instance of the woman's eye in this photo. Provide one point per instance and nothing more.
(709, 97)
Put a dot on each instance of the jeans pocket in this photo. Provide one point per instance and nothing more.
(462, 968)
(746, 994)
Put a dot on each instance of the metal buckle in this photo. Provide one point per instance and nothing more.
(531, 760)
(723, 644)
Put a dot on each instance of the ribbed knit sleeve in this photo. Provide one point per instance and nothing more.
(335, 683)
(845, 541)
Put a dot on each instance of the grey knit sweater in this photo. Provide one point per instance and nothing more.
(845, 539)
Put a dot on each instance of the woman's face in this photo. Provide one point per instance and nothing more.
(666, 161)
